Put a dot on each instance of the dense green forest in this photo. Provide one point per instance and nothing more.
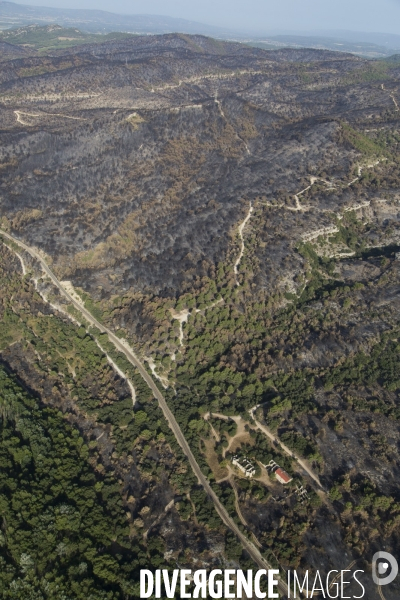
(64, 533)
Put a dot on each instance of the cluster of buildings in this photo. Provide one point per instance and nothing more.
(249, 470)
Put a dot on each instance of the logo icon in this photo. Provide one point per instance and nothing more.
(384, 568)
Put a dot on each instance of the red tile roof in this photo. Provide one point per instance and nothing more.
(282, 475)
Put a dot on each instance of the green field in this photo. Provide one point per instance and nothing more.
(54, 36)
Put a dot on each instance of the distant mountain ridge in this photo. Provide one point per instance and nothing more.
(370, 45)
(99, 21)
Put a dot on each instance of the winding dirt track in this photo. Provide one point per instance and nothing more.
(135, 361)
(287, 450)
(18, 114)
(241, 227)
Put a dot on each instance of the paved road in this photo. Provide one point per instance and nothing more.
(135, 361)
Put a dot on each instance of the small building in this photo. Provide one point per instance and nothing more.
(282, 476)
(301, 493)
(244, 465)
(271, 465)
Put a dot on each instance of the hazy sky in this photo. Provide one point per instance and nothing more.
(356, 15)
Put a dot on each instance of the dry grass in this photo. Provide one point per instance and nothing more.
(212, 460)
(237, 441)
(135, 120)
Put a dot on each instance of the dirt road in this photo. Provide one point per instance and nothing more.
(287, 450)
(241, 227)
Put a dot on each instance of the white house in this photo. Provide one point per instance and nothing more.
(244, 465)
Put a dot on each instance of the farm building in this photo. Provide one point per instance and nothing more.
(244, 465)
(282, 476)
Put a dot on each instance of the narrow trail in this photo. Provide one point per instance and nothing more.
(296, 197)
(299, 207)
(163, 380)
(239, 258)
(313, 180)
(22, 263)
(245, 145)
(331, 229)
(392, 97)
(357, 206)
(182, 317)
(18, 114)
(218, 103)
(215, 433)
(240, 431)
(49, 97)
(248, 545)
(120, 373)
(221, 112)
(220, 301)
(65, 116)
(395, 101)
(362, 168)
(237, 507)
(185, 313)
